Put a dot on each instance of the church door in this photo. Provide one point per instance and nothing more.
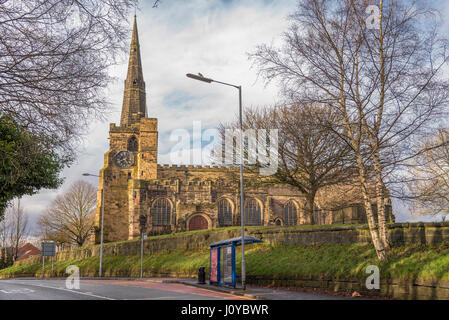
(198, 223)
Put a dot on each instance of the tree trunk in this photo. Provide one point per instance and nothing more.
(310, 204)
(377, 242)
(380, 195)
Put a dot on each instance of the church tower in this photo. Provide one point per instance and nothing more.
(131, 158)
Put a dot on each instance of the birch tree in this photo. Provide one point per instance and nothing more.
(380, 65)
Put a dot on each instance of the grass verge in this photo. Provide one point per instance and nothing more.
(338, 261)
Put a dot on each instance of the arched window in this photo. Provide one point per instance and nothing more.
(161, 212)
(252, 213)
(290, 214)
(224, 213)
(132, 144)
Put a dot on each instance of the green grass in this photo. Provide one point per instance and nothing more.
(328, 260)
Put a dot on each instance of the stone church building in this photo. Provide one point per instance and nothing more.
(181, 198)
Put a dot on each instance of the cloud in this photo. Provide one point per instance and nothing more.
(176, 38)
(179, 37)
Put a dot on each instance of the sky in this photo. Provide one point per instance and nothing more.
(213, 37)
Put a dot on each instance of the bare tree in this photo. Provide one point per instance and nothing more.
(45, 233)
(18, 227)
(54, 62)
(71, 215)
(382, 72)
(428, 187)
(310, 156)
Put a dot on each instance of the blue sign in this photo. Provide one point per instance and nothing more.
(48, 249)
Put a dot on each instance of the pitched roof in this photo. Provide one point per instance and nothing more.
(27, 251)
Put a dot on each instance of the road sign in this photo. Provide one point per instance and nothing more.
(48, 249)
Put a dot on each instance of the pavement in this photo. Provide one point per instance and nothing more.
(147, 288)
(259, 293)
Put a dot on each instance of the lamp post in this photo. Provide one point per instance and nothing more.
(142, 222)
(102, 221)
(200, 77)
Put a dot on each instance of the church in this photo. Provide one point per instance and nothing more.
(182, 198)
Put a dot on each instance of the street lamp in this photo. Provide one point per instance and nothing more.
(200, 77)
(102, 221)
(142, 222)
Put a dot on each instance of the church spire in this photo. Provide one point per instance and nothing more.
(134, 101)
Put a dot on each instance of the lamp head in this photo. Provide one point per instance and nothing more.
(199, 77)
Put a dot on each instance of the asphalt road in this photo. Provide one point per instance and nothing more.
(24, 289)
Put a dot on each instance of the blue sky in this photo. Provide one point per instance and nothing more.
(178, 37)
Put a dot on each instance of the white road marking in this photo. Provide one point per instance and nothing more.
(26, 290)
(64, 289)
(156, 298)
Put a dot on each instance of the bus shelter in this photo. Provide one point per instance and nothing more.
(222, 260)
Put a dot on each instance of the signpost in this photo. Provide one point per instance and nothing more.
(142, 223)
(48, 250)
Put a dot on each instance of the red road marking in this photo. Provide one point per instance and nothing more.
(172, 287)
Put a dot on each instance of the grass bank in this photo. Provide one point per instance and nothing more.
(248, 228)
(337, 261)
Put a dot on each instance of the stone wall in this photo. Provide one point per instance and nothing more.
(416, 289)
(401, 233)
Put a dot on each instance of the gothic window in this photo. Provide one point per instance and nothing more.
(252, 213)
(161, 212)
(132, 144)
(290, 214)
(224, 213)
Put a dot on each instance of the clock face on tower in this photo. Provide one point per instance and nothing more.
(124, 159)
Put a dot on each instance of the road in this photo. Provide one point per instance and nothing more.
(32, 289)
